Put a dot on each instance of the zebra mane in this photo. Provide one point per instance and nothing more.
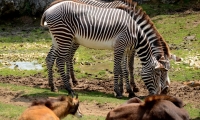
(136, 11)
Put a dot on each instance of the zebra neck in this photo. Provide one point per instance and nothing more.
(148, 61)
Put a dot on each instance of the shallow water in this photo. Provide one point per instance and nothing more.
(108, 66)
(26, 65)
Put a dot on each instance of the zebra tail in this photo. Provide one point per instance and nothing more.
(43, 22)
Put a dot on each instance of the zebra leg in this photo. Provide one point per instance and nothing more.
(73, 50)
(118, 55)
(61, 67)
(131, 69)
(117, 71)
(121, 84)
(125, 75)
(49, 62)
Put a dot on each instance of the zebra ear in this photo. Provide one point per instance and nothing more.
(159, 66)
(162, 59)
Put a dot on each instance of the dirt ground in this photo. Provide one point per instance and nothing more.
(188, 93)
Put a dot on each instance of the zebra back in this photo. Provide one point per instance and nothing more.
(139, 16)
(113, 4)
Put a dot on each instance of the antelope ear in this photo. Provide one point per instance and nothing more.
(62, 98)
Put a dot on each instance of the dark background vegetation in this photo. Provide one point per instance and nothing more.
(34, 8)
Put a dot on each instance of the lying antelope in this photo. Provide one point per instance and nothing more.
(52, 109)
(192, 83)
(156, 107)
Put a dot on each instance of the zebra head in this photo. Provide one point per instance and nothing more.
(155, 75)
(163, 67)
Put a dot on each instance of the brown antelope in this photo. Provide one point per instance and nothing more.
(156, 107)
(52, 109)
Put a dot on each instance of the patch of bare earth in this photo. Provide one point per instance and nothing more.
(187, 93)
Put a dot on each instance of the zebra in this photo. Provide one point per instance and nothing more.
(50, 61)
(50, 58)
(164, 86)
(69, 23)
(130, 57)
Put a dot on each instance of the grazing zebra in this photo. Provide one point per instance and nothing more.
(51, 58)
(74, 23)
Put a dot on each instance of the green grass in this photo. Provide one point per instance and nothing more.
(17, 72)
(183, 72)
(10, 111)
(94, 64)
(193, 112)
(34, 44)
(84, 96)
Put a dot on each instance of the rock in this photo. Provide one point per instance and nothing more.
(190, 38)
(176, 58)
(191, 62)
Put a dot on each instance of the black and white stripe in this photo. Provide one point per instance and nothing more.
(51, 57)
(132, 29)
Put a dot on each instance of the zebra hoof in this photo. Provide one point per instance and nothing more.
(72, 93)
(121, 91)
(131, 95)
(119, 96)
(53, 89)
(117, 93)
(75, 83)
(135, 89)
(165, 90)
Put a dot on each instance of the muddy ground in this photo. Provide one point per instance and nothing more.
(190, 94)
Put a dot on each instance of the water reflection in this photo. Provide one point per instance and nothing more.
(25, 65)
